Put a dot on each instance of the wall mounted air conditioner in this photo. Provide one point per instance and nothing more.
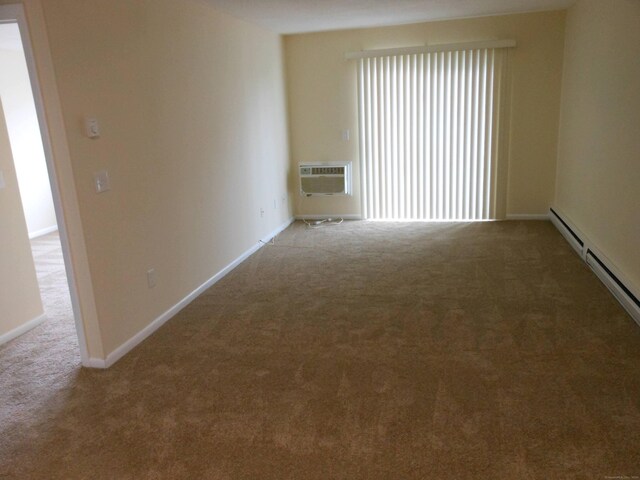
(325, 178)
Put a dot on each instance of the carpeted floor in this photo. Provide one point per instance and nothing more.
(363, 351)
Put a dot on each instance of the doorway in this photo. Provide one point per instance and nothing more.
(38, 191)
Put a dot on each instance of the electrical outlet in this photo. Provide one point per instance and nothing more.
(152, 277)
(275, 204)
(262, 212)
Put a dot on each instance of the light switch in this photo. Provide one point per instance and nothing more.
(152, 278)
(346, 135)
(92, 128)
(101, 180)
(2, 184)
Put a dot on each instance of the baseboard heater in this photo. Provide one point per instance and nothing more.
(627, 299)
(567, 232)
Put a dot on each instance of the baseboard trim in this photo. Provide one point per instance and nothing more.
(139, 337)
(276, 232)
(44, 231)
(22, 329)
(95, 363)
(527, 216)
(333, 215)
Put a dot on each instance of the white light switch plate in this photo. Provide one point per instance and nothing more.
(152, 277)
(2, 184)
(101, 181)
(92, 127)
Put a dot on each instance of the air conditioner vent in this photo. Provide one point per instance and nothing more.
(325, 179)
(327, 171)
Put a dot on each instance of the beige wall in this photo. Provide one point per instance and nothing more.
(323, 100)
(19, 294)
(192, 114)
(598, 179)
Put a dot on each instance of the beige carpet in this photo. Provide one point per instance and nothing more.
(362, 351)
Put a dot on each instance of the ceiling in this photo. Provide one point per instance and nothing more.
(301, 16)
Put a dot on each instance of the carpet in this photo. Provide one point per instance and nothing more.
(367, 350)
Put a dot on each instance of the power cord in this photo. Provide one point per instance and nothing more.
(270, 242)
(326, 222)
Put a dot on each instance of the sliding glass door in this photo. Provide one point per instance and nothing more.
(429, 135)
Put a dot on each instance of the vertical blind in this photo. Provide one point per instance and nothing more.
(428, 134)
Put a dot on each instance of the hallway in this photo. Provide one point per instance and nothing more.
(55, 340)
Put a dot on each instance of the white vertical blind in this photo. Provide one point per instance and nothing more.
(428, 134)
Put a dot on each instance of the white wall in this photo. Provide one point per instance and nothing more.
(26, 143)
(598, 177)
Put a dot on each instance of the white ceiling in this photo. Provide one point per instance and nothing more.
(10, 37)
(299, 16)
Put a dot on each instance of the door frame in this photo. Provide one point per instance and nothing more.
(15, 13)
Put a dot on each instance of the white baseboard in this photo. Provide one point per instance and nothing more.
(22, 329)
(95, 363)
(527, 216)
(44, 231)
(333, 215)
(275, 232)
(130, 344)
(514, 216)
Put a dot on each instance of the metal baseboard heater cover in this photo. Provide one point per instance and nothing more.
(325, 178)
(567, 232)
(619, 290)
(629, 301)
